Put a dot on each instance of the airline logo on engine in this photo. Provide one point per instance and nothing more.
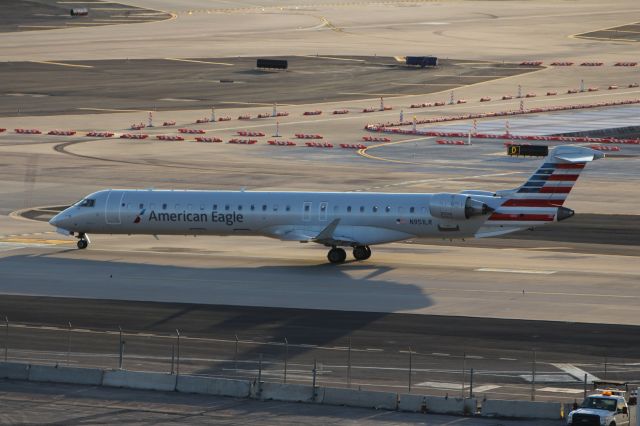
(228, 219)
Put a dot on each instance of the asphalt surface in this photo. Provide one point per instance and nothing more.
(42, 403)
(37, 15)
(629, 33)
(82, 87)
(501, 352)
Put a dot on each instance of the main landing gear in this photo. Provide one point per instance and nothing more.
(338, 255)
(83, 241)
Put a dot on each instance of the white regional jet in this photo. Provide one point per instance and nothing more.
(334, 219)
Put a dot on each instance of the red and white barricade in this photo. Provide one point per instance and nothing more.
(243, 141)
(208, 139)
(192, 131)
(62, 132)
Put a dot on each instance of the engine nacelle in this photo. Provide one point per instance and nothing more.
(456, 206)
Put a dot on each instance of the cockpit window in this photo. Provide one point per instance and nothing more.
(87, 202)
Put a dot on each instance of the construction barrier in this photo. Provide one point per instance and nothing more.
(62, 132)
(2, 130)
(169, 138)
(71, 375)
(244, 117)
(444, 142)
(100, 134)
(436, 404)
(352, 146)
(169, 123)
(308, 136)
(134, 136)
(282, 114)
(572, 91)
(439, 103)
(633, 85)
(28, 131)
(522, 409)
(319, 145)
(225, 118)
(593, 89)
(552, 93)
(317, 112)
(137, 126)
(562, 64)
(248, 133)
(212, 139)
(604, 148)
(592, 64)
(387, 108)
(360, 398)
(612, 87)
(213, 386)
(281, 143)
(626, 64)
(264, 115)
(506, 97)
(202, 121)
(139, 380)
(243, 141)
(422, 105)
(341, 111)
(530, 95)
(485, 99)
(368, 110)
(283, 392)
(531, 63)
(375, 139)
(461, 101)
(191, 131)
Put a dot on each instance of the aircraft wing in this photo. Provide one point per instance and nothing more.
(327, 236)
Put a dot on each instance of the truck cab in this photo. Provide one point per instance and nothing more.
(607, 408)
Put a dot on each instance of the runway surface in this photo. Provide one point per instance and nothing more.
(569, 291)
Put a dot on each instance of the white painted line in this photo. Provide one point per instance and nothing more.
(439, 354)
(576, 372)
(560, 390)
(508, 359)
(199, 62)
(485, 388)
(441, 385)
(516, 271)
(474, 357)
(62, 64)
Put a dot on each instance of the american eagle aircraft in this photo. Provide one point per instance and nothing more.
(355, 220)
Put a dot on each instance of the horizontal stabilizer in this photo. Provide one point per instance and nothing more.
(574, 154)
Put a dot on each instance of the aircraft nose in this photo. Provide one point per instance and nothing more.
(56, 220)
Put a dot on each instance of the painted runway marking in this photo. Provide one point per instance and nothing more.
(440, 385)
(550, 378)
(62, 64)
(110, 109)
(331, 57)
(199, 62)
(560, 390)
(486, 388)
(515, 271)
(576, 372)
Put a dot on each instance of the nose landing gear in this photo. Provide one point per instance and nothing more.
(83, 241)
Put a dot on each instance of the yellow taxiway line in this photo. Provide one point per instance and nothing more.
(62, 64)
(199, 62)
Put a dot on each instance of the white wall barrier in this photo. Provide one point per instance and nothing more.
(213, 386)
(139, 380)
(284, 392)
(72, 375)
(522, 409)
(436, 404)
(14, 371)
(359, 398)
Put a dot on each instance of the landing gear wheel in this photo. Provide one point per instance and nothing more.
(83, 244)
(361, 252)
(336, 255)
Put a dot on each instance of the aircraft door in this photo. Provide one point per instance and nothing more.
(113, 206)
(322, 212)
(306, 211)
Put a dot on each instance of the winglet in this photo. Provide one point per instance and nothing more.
(327, 233)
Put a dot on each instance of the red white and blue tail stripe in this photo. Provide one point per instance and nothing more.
(540, 200)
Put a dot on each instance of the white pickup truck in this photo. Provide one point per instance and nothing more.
(603, 409)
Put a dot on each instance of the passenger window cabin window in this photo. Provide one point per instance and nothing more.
(264, 207)
(227, 207)
(349, 209)
(412, 209)
(141, 206)
(201, 206)
(288, 208)
(306, 207)
(215, 207)
(387, 209)
(275, 207)
(323, 207)
(361, 209)
(424, 210)
(164, 206)
(239, 207)
(375, 209)
(252, 207)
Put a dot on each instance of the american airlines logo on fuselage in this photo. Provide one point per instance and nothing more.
(215, 217)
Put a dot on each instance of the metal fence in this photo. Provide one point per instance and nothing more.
(523, 374)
